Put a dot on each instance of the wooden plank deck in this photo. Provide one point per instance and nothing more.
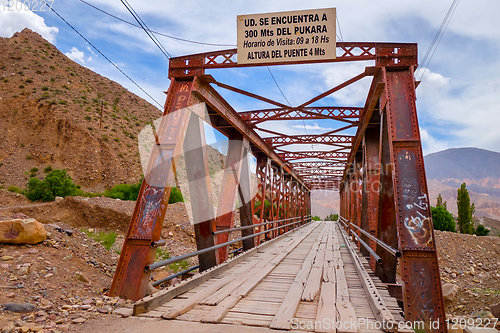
(311, 269)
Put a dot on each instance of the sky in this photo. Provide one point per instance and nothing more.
(457, 100)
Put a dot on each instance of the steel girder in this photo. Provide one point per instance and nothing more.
(343, 141)
(327, 155)
(335, 113)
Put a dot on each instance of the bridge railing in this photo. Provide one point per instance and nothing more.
(352, 228)
(293, 221)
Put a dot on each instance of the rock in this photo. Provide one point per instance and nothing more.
(19, 307)
(27, 231)
(59, 199)
(103, 310)
(33, 251)
(11, 295)
(161, 274)
(6, 258)
(170, 233)
(78, 320)
(80, 277)
(88, 301)
(20, 216)
(86, 307)
(450, 290)
(124, 312)
(495, 309)
(120, 304)
(41, 314)
(51, 242)
(484, 314)
(99, 302)
(23, 271)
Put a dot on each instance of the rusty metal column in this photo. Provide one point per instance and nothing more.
(262, 175)
(272, 200)
(245, 195)
(130, 279)
(288, 196)
(422, 295)
(200, 192)
(229, 191)
(386, 226)
(371, 184)
(357, 198)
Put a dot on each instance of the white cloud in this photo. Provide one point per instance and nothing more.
(314, 127)
(76, 55)
(429, 143)
(352, 95)
(12, 21)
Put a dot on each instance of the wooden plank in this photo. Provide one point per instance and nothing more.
(256, 307)
(247, 319)
(327, 312)
(312, 285)
(286, 312)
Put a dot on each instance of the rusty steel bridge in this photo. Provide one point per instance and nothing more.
(384, 231)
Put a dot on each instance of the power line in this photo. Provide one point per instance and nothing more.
(290, 104)
(437, 38)
(112, 63)
(144, 26)
(340, 31)
(155, 32)
(286, 99)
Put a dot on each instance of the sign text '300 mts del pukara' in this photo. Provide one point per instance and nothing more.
(298, 36)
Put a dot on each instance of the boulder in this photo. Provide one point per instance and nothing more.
(22, 231)
(450, 290)
(495, 309)
(19, 307)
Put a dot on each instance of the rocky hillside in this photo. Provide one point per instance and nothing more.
(50, 108)
(478, 168)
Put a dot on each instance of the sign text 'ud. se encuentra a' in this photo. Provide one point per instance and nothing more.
(298, 36)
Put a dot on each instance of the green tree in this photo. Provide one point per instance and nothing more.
(440, 202)
(57, 183)
(332, 217)
(316, 218)
(465, 210)
(442, 219)
(481, 231)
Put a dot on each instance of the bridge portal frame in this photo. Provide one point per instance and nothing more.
(385, 153)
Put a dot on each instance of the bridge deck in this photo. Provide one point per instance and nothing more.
(305, 276)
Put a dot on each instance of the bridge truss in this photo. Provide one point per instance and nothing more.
(379, 172)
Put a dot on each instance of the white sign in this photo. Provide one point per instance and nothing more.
(298, 36)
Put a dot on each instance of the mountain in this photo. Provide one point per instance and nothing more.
(478, 168)
(50, 108)
(463, 163)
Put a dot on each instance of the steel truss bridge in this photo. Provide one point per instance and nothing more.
(378, 171)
